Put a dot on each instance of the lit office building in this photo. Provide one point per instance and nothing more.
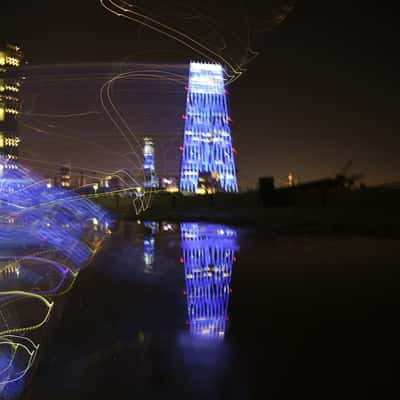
(10, 61)
(149, 171)
(208, 163)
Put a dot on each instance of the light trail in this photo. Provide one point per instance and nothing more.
(235, 71)
(59, 231)
(118, 120)
(130, 177)
(83, 114)
(21, 295)
(100, 148)
(142, 201)
(60, 268)
(17, 342)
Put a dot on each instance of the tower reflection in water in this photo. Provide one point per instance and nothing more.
(208, 257)
(149, 245)
(153, 229)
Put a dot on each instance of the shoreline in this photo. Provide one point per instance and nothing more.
(372, 220)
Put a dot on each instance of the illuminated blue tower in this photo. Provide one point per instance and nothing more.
(149, 170)
(207, 147)
(208, 256)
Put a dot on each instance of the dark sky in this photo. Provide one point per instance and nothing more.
(323, 90)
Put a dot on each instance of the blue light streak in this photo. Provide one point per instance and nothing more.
(52, 229)
(56, 218)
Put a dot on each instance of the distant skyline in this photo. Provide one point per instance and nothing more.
(81, 134)
(322, 91)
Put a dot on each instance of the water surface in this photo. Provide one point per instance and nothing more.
(206, 311)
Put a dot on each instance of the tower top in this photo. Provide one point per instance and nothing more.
(199, 66)
(206, 78)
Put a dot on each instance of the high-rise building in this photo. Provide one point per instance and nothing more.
(207, 160)
(149, 170)
(10, 61)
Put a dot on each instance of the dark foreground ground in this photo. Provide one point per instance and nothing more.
(311, 316)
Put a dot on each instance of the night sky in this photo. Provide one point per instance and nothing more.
(322, 91)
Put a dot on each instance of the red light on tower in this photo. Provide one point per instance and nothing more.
(181, 148)
(229, 119)
(183, 116)
(234, 150)
(181, 260)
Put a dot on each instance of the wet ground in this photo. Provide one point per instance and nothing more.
(227, 313)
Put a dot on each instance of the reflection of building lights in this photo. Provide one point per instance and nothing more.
(173, 189)
(208, 253)
(10, 268)
(167, 227)
(152, 226)
(148, 251)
